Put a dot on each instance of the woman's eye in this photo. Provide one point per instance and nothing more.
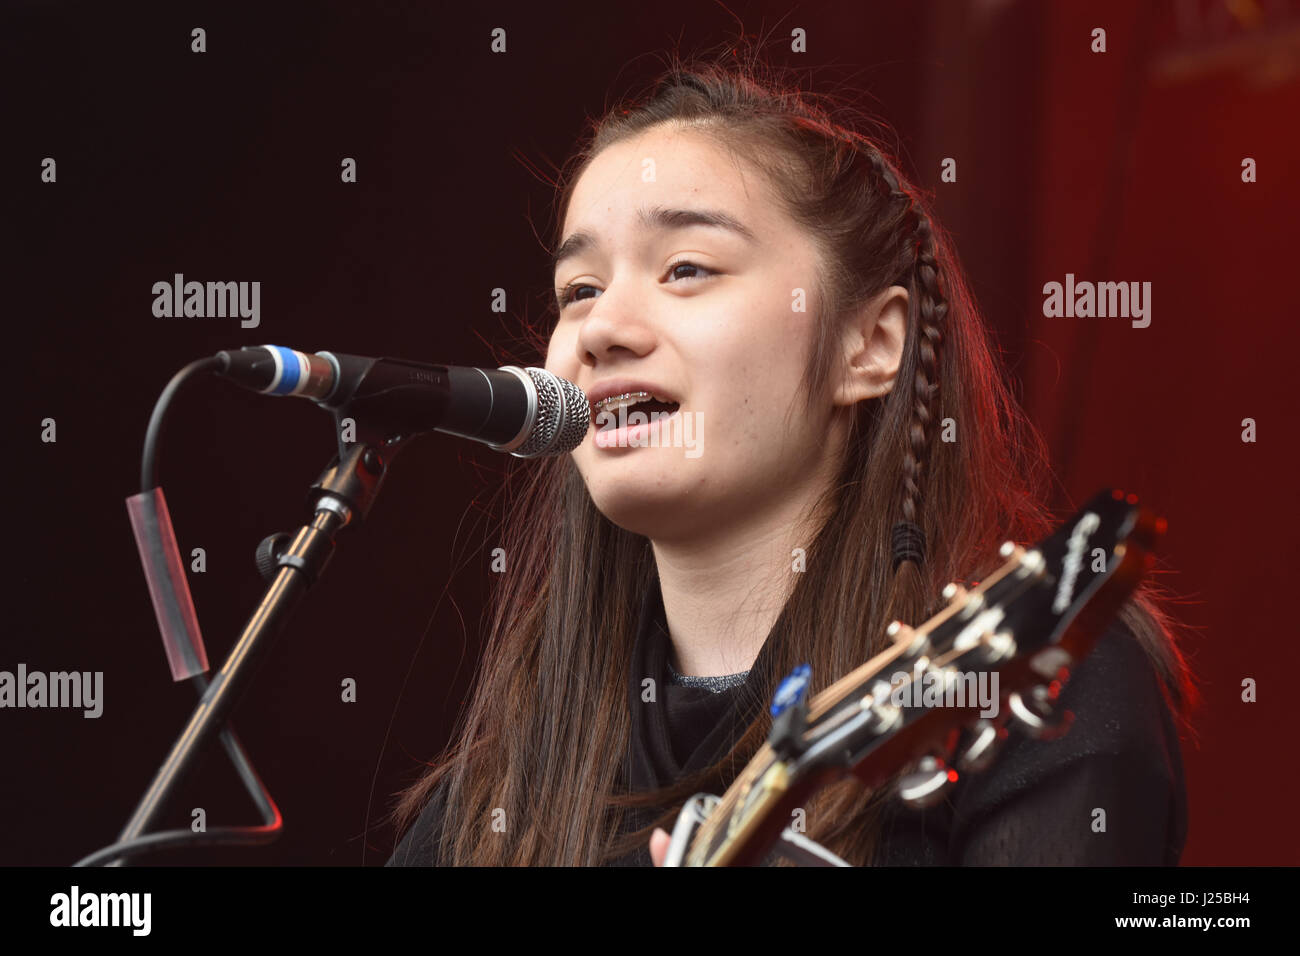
(685, 264)
(570, 292)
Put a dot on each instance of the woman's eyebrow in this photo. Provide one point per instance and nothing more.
(659, 218)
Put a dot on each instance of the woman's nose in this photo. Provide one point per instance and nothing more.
(614, 322)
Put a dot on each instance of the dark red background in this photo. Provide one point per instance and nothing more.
(1122, 166)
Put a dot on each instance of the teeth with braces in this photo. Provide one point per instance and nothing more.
(627, 400)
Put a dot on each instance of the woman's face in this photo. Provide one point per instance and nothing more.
(718, 319)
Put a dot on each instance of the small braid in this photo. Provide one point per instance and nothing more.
(931, 310)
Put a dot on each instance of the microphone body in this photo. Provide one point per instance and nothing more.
(527, 412)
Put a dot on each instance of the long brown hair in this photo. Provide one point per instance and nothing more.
(542, 743)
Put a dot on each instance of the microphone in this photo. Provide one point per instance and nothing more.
(527, 412)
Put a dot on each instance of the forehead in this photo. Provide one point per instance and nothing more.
(668, 162)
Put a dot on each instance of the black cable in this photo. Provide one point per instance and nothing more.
(272, 822)
(153, 434)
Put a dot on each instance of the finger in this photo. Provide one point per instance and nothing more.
(659, 841)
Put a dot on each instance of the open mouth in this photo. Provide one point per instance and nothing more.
(644, 402)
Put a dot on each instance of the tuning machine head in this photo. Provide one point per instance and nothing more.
(985, 741)
(968, 602)
(925, 784)
(1034, 712)
(914, 642)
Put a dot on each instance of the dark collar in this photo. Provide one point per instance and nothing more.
(668, 719)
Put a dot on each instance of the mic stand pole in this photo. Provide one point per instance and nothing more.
(346, 488)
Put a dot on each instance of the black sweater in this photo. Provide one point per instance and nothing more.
(1035, 805)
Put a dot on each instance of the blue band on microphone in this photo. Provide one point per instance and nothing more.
(288, 370)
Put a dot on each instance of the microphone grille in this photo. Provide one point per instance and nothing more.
(563, 416)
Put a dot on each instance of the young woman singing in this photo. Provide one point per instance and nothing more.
(731, 254)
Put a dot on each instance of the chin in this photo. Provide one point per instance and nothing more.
(638, 496)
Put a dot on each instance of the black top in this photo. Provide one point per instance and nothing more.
(1035, 805)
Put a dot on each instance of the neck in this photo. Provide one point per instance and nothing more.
(724, 590)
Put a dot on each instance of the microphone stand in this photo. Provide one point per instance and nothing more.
(346, 489)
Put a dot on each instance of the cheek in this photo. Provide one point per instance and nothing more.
(768, 385)
(767, 362)
(560, 358)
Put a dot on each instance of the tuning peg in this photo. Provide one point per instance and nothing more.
(925, 784)
(1052, 663)
(986, 739)
(958, 596)
(1033, 712)
(998, 645)
(1031, 562)
(914, 641)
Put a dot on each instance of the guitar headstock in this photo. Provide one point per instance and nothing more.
(938, 701)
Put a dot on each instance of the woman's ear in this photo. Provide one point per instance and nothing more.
(873, 347)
